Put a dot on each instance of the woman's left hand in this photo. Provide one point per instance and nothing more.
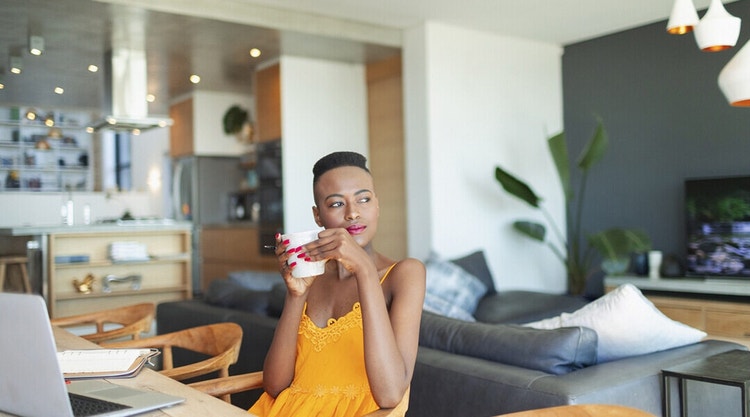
(337, 244)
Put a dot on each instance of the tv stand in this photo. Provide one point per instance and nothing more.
(720, 307)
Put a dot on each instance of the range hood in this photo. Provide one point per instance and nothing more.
(125, 90)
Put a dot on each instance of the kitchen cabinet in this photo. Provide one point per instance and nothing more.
(232, 248)
(35, 156)
(268, 103)
(73, 255)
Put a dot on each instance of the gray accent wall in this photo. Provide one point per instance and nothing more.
(667, 121)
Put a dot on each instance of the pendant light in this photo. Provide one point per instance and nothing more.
(717, 30)
(734, 78)
(683, 18)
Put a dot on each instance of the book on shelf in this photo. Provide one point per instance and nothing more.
(103, 363)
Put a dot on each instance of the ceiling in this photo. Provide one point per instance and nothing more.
(79, 32)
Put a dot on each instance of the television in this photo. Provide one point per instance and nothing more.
(718, 227)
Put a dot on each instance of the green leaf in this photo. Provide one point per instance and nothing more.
(516, 187)
(614, 243)
(531, 229)
(558, 148)
(595, 148)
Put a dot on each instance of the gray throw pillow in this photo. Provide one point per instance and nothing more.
(450, 290)
(476, 264)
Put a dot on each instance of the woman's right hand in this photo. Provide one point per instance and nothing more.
(295, 286)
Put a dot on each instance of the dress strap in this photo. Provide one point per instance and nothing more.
(386, 273)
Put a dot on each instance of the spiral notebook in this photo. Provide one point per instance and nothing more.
(103, 363)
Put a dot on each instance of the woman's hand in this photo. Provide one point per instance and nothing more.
(338, 245)
(295, 286)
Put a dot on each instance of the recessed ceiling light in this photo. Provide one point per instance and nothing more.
(93, 68)
(16, 64)
(195, 79)
(49, 122)
(255, 52)
(150, 98)
(36, 45)
(59, 90)
(2, 86)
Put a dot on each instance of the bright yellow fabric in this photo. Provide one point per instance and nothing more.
(330, 379)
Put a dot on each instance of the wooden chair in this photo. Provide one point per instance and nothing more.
(134, 319)
(582, 410)
(224, 386)
(220, 341)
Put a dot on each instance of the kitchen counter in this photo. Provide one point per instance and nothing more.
(164, 275)
(109, 227)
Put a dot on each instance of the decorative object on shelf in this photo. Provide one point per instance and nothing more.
(128, 252)
(672, 267)
(134, 280)
(86, 285)
(237, 122)
(654, 264)
(616, 246)
(13, 180)
(576, 260)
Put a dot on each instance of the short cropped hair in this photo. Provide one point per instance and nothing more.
(338, 160)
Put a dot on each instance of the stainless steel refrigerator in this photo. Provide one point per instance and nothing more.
(200, 192)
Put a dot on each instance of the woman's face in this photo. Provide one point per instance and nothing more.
(345, 198)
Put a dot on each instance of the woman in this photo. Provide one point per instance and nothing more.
(346, 341)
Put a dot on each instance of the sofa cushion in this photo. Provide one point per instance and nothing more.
(226, 293)
(627, 324)
(476, 264)
(256, 280)
(450, 290)
(518, 306)
(556, 351)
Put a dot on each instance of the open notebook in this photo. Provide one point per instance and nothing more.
(103, 363)
(29, 369)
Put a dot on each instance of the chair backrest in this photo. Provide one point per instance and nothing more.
(134, 319)
(220, 341)
(224, 386)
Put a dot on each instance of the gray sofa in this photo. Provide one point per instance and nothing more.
(485, 368)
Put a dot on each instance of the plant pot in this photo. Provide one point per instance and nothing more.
(617, 266)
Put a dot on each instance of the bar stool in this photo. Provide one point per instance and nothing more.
(20, 261)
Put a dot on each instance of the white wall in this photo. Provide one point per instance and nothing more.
(323, 109)
(208, 115)
(473, 101)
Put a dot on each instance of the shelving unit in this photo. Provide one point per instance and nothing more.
(38, 157)
(165, 277)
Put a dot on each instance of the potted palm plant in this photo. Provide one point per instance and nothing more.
(611, 243)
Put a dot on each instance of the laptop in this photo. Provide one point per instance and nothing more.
(31, 383)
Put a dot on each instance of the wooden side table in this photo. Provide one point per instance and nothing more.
(730, 368)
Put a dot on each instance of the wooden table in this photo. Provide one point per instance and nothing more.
(196, 403)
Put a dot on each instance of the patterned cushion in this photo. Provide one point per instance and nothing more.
(451, 291)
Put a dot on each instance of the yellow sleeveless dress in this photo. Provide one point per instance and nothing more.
(330, 379)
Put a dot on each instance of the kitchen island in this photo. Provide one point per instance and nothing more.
(86, 268)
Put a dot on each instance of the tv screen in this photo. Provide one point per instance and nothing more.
(718, 227)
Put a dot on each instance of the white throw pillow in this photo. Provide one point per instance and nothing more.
(627, 324)
(450, 290)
